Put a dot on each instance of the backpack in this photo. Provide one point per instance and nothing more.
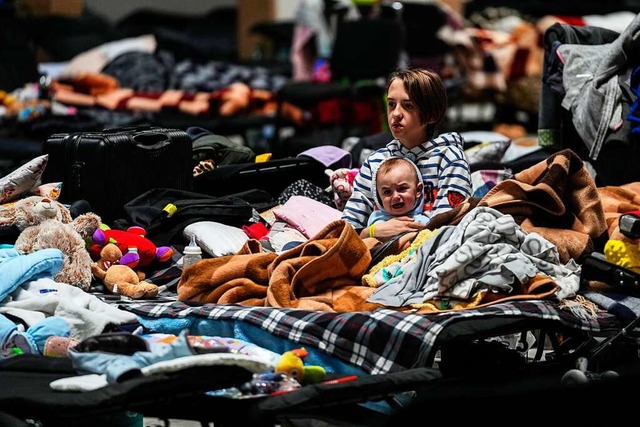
(218, 148)
(165, 212)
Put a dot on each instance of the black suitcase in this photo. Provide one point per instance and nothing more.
(111, 167)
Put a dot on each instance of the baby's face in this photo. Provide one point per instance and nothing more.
(398, 189)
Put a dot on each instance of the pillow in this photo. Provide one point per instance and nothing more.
(50, 190)
(215, 238)
(23, 179)
(306, 215)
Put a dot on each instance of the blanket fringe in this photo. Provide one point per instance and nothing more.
(581, 307)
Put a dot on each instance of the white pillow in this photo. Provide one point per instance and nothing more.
(23, 179)
(215, 238)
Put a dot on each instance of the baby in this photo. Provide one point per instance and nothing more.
(399, 191)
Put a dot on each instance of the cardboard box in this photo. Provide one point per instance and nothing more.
(251, 12)
(71, 8)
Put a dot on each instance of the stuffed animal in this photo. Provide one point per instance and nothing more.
(45, 223)
(341, 183)
(119, 278)
(138, 251)
(51, 233)
(292, 363)
(33, 210)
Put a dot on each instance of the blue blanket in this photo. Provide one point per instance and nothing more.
(17, 268)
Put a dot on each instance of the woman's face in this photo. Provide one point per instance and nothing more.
(403, 116)
(398, 189)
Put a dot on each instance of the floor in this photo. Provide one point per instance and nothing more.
(156, 422)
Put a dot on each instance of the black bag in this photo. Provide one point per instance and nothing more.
(109, 168)
(218, 148)
(165, 212)
(272, 176)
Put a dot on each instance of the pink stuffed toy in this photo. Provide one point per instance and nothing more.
(341, 181)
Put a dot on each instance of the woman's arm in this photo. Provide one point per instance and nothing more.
(454, 181)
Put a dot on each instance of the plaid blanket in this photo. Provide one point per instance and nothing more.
(379, 341)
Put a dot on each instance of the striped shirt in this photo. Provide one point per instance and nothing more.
(445, 174)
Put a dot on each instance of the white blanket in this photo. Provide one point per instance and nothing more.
(28, 291)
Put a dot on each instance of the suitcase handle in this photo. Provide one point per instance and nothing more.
(151, 140)
(132, 128)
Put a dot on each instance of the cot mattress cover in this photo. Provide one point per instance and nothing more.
(375, 342)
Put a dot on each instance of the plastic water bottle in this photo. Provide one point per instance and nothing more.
(192, 253)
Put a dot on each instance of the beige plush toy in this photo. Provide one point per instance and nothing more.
(119, 278)
(33, 210)
(48, 224)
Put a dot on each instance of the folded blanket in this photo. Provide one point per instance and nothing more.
(323, 273)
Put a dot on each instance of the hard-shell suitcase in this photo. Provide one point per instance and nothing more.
(111, 167)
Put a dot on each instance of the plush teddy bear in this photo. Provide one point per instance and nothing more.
(138, 251)
(33, 210)
(45, 223)
(119, 278)
(51, 233)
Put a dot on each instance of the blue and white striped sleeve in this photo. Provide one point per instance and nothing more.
(362, 202)
(454, 179)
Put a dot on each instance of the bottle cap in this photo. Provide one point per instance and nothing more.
(192, 250)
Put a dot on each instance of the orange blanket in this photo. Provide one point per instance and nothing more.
(616, 201)
(323, 274)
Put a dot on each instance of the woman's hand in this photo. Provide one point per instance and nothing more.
(386, 230)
